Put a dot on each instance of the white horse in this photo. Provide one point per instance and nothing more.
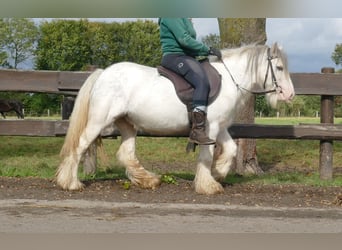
(132, 97)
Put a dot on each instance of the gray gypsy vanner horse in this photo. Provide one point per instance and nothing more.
(130, 97)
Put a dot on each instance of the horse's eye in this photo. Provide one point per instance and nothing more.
(280, 68)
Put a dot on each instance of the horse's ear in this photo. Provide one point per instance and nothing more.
(275, 48)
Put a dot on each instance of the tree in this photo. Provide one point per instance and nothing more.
(137, 42)
(337, 54)
(64, 45)
(337, 59)
(73, 45)
(236, 32)
(3, 59)
(101, 44)
(212, 40)
(17, 39)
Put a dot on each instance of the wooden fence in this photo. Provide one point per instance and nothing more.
(325, 84)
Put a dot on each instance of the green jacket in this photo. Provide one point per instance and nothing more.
(178, 36)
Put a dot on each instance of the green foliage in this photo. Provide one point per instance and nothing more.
(169, 179)
(63, 45)
(37, 104)
(136, 42)
(261, 106)
(73, 45)
(126, 185)
(3, 59)
(337, 54)
(101, 44)
(238, 31)
(17, 41)
(212, 40)
(303, 105)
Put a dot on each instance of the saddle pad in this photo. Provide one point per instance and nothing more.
(184, 89)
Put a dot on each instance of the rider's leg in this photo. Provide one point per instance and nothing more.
(193, 72)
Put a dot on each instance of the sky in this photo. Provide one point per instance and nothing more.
(308, 42)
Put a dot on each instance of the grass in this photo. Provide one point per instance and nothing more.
(39, 157)
(291, 121)
(310, 179)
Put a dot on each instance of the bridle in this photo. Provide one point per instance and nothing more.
(269, 69)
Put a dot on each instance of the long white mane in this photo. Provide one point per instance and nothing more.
(255, 55)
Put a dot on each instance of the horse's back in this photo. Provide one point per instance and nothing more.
(131, 68)
(129, 77)
(140, 93)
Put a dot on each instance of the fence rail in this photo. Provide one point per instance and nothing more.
(327, 85)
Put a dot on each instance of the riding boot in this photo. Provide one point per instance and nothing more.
(197, 133)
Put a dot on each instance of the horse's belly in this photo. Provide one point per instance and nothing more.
(161, 123)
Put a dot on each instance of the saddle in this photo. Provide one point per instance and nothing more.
(184, 89)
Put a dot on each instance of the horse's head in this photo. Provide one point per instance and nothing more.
(277, 76)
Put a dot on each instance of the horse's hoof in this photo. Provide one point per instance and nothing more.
(150, 183)
(76, 186)
(213, 188)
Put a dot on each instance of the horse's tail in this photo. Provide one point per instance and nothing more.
(79, 116)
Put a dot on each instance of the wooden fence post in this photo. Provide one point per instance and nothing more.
(67, 107)
(326, 146)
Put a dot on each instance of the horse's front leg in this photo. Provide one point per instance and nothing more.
(137, 174)
(224, 154)
(204, 181)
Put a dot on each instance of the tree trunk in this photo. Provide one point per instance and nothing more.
(235, 32)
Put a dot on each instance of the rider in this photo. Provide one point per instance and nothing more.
(180, 48)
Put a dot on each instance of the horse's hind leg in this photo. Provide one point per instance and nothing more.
(89, 159)
(126, 155)
(19, 114)
(67, 174)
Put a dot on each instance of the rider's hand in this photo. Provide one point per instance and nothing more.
(215, 52)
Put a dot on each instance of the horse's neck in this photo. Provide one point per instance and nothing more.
(236, 72)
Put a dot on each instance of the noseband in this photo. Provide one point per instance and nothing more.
(269, 69)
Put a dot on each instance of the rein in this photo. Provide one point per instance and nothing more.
(269, 68)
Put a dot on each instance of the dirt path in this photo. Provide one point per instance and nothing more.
(80, 216)
(182, 193)
(38, 205)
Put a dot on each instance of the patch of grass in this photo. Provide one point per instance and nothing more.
(39, 157)
(284, 178)
(291, 120)
(27, 156)
(115, 173)
(169, 179)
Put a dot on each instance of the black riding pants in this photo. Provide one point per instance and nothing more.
(193, 72)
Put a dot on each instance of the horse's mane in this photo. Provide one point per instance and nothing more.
(255, 54)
